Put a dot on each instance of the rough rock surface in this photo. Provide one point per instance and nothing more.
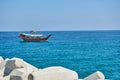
(2, 68)
(14, 63)
(18, 74)
(95, 76)
(53, 73)
(11, 65)
(18, 69)
(5, 78)
(1, 59)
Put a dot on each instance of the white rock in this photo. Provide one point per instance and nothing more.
(54, 73)
(1, 78)
(18, 74)
(95, 76)
(30, 68)
(2, 68)
(1, 59)
(14, 63)
(7, 59)
(5, 78)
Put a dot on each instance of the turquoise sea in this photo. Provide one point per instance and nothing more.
(82, 51)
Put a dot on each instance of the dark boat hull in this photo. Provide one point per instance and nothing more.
(35, 39)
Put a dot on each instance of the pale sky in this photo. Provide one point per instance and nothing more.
(45, 15)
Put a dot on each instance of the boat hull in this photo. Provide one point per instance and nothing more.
(28, 39)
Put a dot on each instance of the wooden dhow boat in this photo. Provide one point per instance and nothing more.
(34, 37)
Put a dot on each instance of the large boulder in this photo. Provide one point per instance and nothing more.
(5, 78)
(95, 76)
(53, 73)
(30, 68)
(15, 63)
(12, 64)
(1, 59)
(18, 74)
(1, 78)
(2, 68)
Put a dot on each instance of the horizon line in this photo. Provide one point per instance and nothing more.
(56, 30)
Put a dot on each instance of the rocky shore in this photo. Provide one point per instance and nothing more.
(18, 69)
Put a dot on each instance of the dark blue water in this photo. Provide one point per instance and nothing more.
(82, 51)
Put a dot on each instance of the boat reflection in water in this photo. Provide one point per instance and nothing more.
(34, 37)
